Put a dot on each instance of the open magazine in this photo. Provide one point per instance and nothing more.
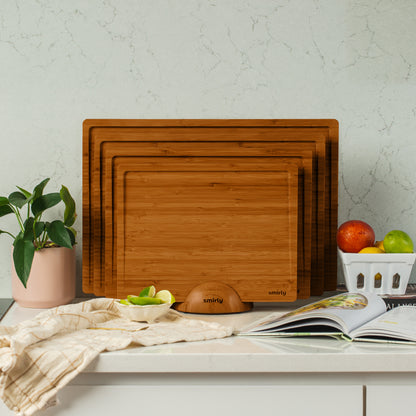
(352, 316)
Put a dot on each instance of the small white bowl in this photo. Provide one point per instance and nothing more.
(143, 313)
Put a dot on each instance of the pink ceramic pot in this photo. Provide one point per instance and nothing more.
(51, 281)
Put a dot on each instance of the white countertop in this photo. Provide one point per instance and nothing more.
(239, 354)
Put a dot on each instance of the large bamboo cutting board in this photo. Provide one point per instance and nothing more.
(286, 153)
(157, 132)
(185, 221)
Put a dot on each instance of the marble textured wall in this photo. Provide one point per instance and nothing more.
(62, 61)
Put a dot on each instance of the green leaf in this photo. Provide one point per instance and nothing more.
(17, 199)
(4, 210)
(70, 214)
(73, 230)
(44, 202)
(71, 235)
(23, 253)
(58, 234)
(18, 237)
(28, 233)
(3, 201)
(38, 190)
(39, 228)
(27, 194)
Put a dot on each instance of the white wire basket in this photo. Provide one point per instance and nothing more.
(383, 273)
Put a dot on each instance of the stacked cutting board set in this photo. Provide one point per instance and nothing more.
(211, 210)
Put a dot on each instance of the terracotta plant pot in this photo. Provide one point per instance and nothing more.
(51, 281)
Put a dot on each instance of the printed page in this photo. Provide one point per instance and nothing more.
(398, 323)
(343, 312)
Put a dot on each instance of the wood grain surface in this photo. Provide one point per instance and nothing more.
(97, 133)
(282, 152)
(244, 147)
(185, 221)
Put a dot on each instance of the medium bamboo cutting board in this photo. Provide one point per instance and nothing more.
(267, 148)
(112, 151)
(246, 133)
(182, 222)
(192, 147)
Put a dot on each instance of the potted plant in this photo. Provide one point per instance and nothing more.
(43, 272)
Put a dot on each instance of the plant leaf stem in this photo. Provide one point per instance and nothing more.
(10, 234)
(18, 216)
(36, 241)
(44, 239)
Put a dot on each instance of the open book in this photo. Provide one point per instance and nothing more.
(352, 316)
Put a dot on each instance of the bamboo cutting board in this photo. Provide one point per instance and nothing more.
(288, 153)
(245, 147)
(261, 164)
(318, 274)
(98, 132)
(185, 221)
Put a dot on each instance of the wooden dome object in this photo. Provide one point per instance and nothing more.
(213, 298)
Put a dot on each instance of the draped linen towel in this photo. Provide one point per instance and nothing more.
(40, 356)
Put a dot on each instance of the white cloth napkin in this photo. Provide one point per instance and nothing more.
(40, 356)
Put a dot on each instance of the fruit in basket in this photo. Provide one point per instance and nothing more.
(380, 245)
(354, 235)
(397, 241)
(371, 250)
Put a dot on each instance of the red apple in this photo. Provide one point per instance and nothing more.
(354, 235)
